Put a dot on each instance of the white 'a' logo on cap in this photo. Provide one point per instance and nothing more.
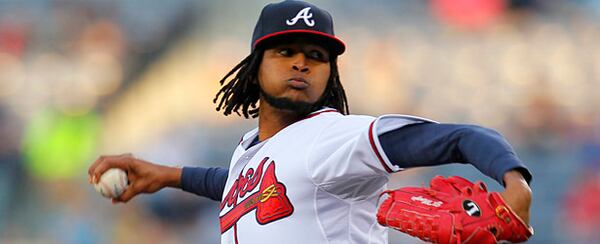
(303, 14)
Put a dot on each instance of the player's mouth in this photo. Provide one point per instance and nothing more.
(298, 83)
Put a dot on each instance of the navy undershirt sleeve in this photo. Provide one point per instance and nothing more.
(429, 144)
(207, 182)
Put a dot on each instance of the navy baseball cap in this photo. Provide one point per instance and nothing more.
(289, 18)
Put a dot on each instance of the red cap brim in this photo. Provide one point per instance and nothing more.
(337, 44)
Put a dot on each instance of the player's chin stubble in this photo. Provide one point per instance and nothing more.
(297, 107)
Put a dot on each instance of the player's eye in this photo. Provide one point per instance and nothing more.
(314, 54)
(286, 52)
(317, 55)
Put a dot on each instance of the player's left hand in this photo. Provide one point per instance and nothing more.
(517, 194)
(454, 210)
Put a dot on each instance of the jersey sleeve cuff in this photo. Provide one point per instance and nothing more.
(511, 162)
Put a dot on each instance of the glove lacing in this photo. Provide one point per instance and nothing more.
(423, 226)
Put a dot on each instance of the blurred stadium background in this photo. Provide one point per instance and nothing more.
(84, 78)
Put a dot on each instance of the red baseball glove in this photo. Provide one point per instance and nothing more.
(452, 210)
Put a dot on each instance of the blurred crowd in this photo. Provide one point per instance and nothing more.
(84, 78)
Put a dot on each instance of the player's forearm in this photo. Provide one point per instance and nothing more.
(171, 176)
(515, 178)
(515, 183)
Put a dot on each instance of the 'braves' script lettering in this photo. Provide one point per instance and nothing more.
(244, 184)
(270, 201)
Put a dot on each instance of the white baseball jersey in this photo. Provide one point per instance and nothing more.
(316, 181)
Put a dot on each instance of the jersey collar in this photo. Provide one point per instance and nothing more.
(320, 111)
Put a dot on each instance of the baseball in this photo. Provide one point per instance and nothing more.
(112, 183)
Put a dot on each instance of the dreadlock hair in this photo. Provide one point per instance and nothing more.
(243, 92)
(335, 95)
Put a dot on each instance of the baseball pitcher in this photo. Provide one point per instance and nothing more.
(312, 173)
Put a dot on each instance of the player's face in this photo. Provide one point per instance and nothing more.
(293, 76)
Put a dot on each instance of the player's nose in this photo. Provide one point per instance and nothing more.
(299, 63)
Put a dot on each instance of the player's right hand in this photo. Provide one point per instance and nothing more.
(143, 176)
